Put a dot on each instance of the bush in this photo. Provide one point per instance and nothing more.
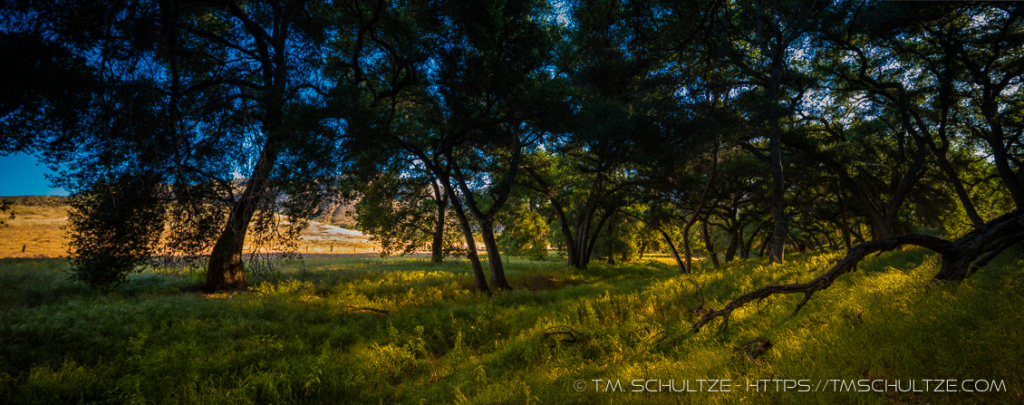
(114, 228)
(526, 234)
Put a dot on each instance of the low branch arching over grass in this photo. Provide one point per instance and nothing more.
(991, 238)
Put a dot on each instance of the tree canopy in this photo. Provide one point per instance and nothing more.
(599, 128)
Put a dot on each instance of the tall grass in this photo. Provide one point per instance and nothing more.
(321, 334)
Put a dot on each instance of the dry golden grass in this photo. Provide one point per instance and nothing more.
(38, 231)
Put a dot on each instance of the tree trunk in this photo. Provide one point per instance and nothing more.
(611, 242)
(443, 174)
(675, 254)
(493, 255)
(958, 186)
(777, 207)
(467, 233)
(700, 207)
(486, 219)
(882, 215)
(709, 244)
(748, 245)
(776, 245)
(764, 244)
(734, 243)
(589, 247)
(437, 247)
(583, 236)
(571, 253)
(1014, 182)
(571, 249)
(226, 270)
(687, 252)
(474, 258)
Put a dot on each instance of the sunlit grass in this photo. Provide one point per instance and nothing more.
(408, 331)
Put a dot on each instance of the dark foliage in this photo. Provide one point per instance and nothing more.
(116, 225)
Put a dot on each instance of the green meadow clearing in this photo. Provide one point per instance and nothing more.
(368, 330)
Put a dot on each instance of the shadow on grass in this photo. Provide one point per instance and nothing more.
(309, 337)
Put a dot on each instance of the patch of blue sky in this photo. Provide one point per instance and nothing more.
(23, 174)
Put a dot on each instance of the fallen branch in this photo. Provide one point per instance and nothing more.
(573, 336)
(379, 311)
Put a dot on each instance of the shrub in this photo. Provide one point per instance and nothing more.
(114, 228)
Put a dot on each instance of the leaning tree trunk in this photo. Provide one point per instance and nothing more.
(960, 258)
(226, 270)
(675, 253)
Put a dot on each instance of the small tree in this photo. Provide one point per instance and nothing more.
(405, 212)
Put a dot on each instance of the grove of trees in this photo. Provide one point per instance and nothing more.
(604, 129)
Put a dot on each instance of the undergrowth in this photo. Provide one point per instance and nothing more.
(408, 331)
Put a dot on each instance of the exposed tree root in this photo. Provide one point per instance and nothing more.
(990, 239)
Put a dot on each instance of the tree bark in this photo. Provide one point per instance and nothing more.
(226, 270)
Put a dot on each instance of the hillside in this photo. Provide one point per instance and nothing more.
(38, 230)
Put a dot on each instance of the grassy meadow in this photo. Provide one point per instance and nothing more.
(369, 330)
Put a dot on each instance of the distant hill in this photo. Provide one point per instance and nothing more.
(37, 200)
(336, 213)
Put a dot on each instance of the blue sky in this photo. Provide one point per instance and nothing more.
(21, 174)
